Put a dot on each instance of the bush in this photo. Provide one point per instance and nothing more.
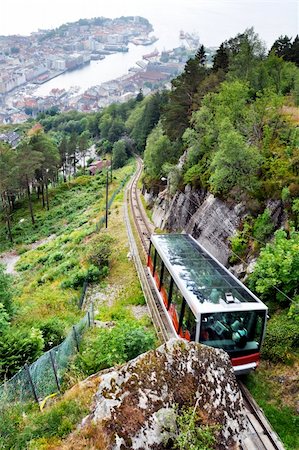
(75, 280)
(192, 435)
(5, 291)
(57, 256)
(113, 346)
(282, 339)
(263, 226)
(18, 347)
(99, 250)
(52, 331)
(276, 273)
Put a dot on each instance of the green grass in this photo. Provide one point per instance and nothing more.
(24, 426)
(39, 294)
(51, 276)
(266, 386)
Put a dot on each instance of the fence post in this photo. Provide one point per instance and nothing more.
(106, 215)
(88, 317)
(76, 338)
(54, 370)
(92, 314)
(31, 383)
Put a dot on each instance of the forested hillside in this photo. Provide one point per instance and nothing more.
(234, 129)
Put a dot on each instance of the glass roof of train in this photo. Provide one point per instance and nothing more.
(200, 274)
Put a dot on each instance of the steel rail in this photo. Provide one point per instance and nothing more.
(160, 322)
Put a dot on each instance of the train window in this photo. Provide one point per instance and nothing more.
(177, 299)
(233, 331)
(151, 258)
(189, 324)
(158, 266)
(166, 281)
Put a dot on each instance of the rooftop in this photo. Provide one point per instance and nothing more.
(199, 276)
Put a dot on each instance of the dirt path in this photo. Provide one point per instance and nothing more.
(10, 259)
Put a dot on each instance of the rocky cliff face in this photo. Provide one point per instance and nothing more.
(134, 405)
(207, 218)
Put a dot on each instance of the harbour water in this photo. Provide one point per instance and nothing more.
(213, 20)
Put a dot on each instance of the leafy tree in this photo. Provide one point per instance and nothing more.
(158, 151)
(117, 130)
(277, 267)
(29, 161)
(146, 117)
(83, 145)
(139, 96)
(245, 51)
(72, 150)
(63, 151)
(42, 143)
(7, 182)
(234, 165)
(119, 154)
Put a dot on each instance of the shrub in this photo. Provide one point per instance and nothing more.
(52, 331)
(18, 347)
(75, 280)
(282, 339)
(277, 267)
(5, 290)
(240, 242)
(192, 435)
(99, 250)
(54, 257)
(263, 226)
(93, 273)
(113, 346)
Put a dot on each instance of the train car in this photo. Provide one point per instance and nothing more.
(204, 302)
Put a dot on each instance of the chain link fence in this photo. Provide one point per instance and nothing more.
(44, 377)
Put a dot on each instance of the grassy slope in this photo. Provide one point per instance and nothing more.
(275, 388)
(26, 427)
(75, 209)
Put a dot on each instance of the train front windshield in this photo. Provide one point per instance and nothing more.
(234, 332)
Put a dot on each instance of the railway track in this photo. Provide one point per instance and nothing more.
(144, 230)
(260, 435)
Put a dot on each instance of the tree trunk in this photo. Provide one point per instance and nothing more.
(43, 194)
(5, 205)
(47, 195)
(30, 201)
(74, 162)
(64, 172)
(9, 227)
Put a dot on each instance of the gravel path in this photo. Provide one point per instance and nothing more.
(10, 259)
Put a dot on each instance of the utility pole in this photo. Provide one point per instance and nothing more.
(107, 181)
(111, 167)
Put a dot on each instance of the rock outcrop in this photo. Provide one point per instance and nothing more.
(134, 407)
(208, 219)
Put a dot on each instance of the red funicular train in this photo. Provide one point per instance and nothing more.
(204, 302)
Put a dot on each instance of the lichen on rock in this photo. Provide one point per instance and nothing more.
(135, 403)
